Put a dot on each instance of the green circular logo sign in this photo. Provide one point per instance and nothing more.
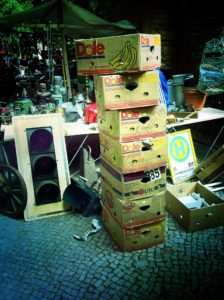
(179, 149)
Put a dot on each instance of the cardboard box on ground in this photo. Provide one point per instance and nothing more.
(137, 237)
(137, 114)
(110, 55)
(198, 218)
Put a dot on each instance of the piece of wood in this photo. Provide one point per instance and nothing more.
(65, 64)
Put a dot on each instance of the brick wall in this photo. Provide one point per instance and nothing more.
(184, 30)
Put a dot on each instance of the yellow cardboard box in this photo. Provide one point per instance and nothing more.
(132, 212)
(212, 167)
(132, 238)
(136, 185)
(134, 156)
(122, 91)
(133, 124)
(110, 55)
(197, 218)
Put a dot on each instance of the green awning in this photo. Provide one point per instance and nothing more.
(76, 21)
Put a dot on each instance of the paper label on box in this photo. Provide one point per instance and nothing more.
(153, 174)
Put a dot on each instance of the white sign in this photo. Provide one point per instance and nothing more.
(182, 159)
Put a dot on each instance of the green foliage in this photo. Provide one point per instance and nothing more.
(10, 40)
(8, 7)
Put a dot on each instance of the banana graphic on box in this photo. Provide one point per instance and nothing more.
(125, 59)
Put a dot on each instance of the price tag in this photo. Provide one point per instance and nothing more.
(153, 174)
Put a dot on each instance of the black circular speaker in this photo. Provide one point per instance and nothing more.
(40, 140)
(44, 165)
(47, 192)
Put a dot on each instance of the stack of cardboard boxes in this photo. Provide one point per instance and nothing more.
(133, 142)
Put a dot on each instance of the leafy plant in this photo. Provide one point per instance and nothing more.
(8, 7)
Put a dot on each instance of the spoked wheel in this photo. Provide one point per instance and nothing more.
(13, 192)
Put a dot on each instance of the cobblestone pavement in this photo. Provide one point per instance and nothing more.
(42, 260)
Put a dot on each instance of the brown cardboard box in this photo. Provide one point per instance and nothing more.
(134, 156)
(134, 185)
(110, 55)
(122, 91)
(199, 218)
(134, 238)
(212, 167)
(132, 124)
(133, 212)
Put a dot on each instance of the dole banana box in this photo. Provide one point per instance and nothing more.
(132, 124)
(132, 212)
(123, 53)
(133, 238)
(122, 91)
(136, 185)
(139, 155)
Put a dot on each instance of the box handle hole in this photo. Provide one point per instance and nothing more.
(131, 86)
(143, 120)
(145, 207)
(146, 148)
(146, 232)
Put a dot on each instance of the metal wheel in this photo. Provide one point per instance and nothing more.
(13, 192)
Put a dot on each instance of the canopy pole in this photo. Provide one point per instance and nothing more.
(65, 60)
